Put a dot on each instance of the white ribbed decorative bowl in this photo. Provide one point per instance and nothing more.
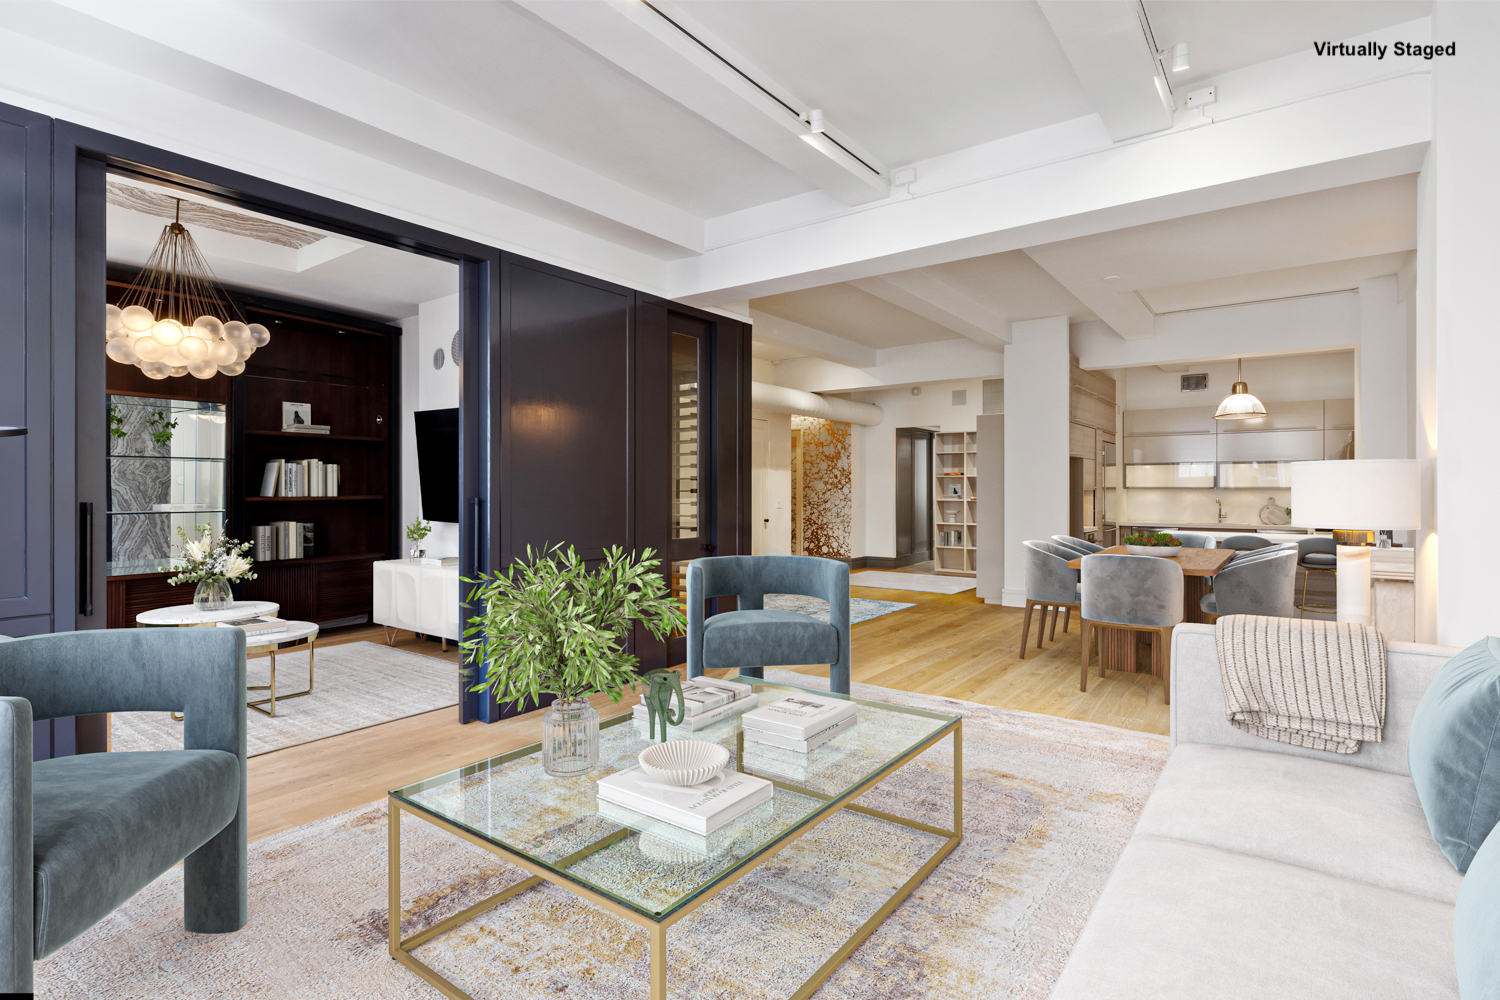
(1165, 551)
(683, 762)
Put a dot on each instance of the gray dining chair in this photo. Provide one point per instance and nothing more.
(1195, 540)
(1051, 584)
(83, 834)
(1133, 594)
(1316, 554)
(1081, 544)
(1245, 543)
(753, 637)
(1263, 582)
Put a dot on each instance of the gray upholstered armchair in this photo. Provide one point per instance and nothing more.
(1081, 544)
(1134, 594)
(1262, 582)
(81, 835)
(1050, 584)
(752, 637)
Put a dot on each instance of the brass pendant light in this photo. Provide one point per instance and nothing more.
(1239, 404)
(176, 319)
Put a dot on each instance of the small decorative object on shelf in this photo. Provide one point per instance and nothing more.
(549, 625)
(415, 532)
(658, 699)
(212, 563)
(1153, 543)
(297, 418)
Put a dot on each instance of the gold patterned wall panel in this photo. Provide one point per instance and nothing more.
(827, 492)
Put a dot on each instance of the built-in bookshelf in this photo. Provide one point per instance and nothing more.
(954, 502)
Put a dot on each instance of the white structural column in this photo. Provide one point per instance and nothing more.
(1036, 442)
(1382, 421)
(1466, 97)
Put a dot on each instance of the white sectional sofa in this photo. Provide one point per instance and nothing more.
(1267, 871)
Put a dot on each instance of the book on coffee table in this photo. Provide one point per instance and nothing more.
(707, 701)
(793, 765)
(798, 716)
(703, 846)
(699, 809)
(256, 626)
(815, 739)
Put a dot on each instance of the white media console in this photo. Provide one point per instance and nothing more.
(418, 596)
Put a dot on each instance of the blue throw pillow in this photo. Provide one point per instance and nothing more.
(1476, 926)
(1454, 751)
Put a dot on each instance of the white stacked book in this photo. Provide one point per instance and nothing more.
(795, 765)
(697, 846)
(699, 809)
(256, 628)
(707, 701)
(799, 722)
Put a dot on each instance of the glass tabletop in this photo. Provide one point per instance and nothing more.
(649, 866)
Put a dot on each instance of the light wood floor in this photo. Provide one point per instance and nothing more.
(955, 646)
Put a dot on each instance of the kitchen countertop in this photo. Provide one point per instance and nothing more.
(1217, 526)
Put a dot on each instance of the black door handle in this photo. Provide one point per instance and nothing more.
(6, 432)
(766, 519)
(706, 548)
(86, 559)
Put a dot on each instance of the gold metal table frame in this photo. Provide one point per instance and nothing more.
(401, 948)
(291, 647)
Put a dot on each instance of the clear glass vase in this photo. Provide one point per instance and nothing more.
(213, 595)
(570, 738)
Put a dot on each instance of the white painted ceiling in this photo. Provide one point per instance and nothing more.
(337, 271)
(848, 312)
(1223, 37)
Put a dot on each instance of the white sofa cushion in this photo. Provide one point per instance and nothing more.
(1352, 822)
(1182, 921)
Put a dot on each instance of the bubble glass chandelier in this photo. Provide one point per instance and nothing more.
(176, 319)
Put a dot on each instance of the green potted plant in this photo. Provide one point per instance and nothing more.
(551, 625)
(415, 532)
(1153, 543)
(213, 564)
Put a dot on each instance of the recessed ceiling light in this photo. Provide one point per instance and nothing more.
(1112, 277)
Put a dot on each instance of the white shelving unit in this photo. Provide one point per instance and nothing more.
(954, 502)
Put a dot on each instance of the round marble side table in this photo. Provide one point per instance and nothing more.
(295, 632)
(187, 615)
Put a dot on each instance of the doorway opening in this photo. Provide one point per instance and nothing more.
(913, 488)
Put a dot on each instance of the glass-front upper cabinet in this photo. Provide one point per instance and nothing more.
(1170, 475)
(166, 471)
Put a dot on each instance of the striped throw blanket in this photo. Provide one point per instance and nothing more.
(1308, 683)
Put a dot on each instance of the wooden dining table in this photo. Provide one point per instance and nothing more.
(1197, 566)
(1118, 647)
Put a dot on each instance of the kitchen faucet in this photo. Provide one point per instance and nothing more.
(1222, 515)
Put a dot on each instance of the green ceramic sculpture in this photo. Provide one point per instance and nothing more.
(658, 700)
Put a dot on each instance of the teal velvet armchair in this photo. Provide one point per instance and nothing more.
(80, 835)
(752, 637)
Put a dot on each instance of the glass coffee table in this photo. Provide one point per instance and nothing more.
(654, 875)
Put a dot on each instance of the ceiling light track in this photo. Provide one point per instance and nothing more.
(804, 118)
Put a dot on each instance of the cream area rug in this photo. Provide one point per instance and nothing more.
(926, 583)
(1048, 806)
(860, 609)
(357, 684)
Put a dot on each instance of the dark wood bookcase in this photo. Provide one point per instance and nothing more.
(348, 369)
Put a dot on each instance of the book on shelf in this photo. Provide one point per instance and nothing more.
(699, 809)
(256, 626)
(281, 540)
(293, 414)
(813, 741)
(704, 846)
(307, 429)
(308, 477)
(953, 538)
(799, 716)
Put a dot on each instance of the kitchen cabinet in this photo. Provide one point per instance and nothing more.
(1338, 443)
(1271, 446)
(1177, 420)
(1169, 448)
(1173, 476)
(1255, 475)
(1302, 416)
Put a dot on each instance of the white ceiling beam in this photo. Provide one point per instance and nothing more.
(209, 47)
(646, 45)
(815, 342)
(1113, 57)
(934, 299)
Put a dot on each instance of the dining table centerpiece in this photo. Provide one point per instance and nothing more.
(1153, 543)
(213, 564)
(551, 625)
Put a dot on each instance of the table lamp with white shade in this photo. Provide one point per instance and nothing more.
(1369, 494)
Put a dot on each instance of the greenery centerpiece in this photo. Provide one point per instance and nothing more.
(550, 625)
(213, 564)
(1153, 539)
(415, 532)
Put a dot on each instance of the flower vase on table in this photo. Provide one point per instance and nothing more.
(213, 594)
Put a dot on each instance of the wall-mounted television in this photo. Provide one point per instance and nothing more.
(437, 463)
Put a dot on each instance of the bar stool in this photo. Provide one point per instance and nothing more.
(1316, 554)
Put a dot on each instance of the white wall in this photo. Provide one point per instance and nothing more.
(1036, 442)
(1466, 100)
(1272, 380)
(1382, 410)
(424, 387)
(777, 502)
(874, 531)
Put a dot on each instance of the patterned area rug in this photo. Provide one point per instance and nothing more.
(926, 583)
(1048, 806)
(357, 684)
(860, 609)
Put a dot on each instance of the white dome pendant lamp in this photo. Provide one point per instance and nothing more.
(1239, 404)
(176, 318)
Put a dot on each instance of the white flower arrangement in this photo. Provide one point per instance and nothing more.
(210, 558)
